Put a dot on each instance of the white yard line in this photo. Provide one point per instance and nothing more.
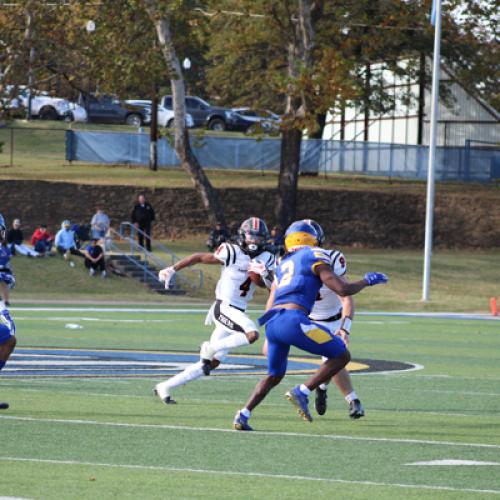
(255, 433)
(204, 309)
(249, 474)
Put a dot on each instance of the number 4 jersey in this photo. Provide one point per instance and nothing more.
(234, 286)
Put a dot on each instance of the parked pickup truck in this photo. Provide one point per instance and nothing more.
(204, 115)
(108, 109)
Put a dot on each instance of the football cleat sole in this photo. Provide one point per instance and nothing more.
(305, 416)
(320, 401)
(4, 406)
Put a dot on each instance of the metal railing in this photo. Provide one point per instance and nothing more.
(127, 232)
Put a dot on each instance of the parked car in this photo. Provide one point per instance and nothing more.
(249, 120)
(108, 109)
(204, 114)
(165, 116)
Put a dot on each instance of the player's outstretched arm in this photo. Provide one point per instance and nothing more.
(167, 274)
(344, 288)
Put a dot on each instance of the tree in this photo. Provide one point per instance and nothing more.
(161, 20)
(304, 58)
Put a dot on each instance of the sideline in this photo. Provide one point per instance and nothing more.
(184, 310)
(248, 474)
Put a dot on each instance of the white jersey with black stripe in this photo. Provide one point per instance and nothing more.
(234, 286)
(328, 303)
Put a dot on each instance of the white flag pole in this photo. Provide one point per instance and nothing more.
(432, 150)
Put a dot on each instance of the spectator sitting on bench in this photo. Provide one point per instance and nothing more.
(66, 243)
(94, 258)
(15, 239)
(42, 240)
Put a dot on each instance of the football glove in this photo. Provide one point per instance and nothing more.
(376, 278)
(166, 275)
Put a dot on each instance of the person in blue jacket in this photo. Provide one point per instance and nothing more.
(66, 243)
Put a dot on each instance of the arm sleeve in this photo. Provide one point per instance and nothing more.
(153, 216)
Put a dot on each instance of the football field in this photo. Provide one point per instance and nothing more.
(83, 421)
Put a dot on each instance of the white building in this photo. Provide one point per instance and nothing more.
(463, 116)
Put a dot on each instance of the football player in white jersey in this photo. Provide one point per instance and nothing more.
(235, 288)
(336, 313)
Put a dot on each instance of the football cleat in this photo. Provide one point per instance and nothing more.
(356, 409)
(164, 396)
(300, 401)
(320, 401)
(3, 406)
(206, 355)
(240, 422)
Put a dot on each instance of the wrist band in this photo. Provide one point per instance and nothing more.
(346, 324)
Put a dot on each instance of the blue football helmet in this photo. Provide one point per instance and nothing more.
(300, 234)
(319, 230)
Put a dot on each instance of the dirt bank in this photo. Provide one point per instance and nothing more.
(376, 219)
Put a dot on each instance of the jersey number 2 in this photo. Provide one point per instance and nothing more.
(287, 273)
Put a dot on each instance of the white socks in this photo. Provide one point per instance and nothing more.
(323, 387)
(192, 372)
(245, 412)
(230, 342)
(351, 396)
(305, 390)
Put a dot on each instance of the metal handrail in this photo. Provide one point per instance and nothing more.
(195, 282)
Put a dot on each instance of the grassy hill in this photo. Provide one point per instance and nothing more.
(461, 280)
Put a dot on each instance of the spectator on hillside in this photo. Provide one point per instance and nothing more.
(15, 239)
(217, 236)
(42, 240)
(142, 217)
(99, 225)
(66, 243)
(94, 258)
(277, 241)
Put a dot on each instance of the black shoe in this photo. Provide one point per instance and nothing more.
(167, 400)
(206, 366)
(356, 409)
(320, 401)
(7, 303)
(4, 406)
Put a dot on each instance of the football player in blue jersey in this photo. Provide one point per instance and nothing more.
(7, 326)
(300, 275)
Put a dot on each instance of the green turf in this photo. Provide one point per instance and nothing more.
(63, 438)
